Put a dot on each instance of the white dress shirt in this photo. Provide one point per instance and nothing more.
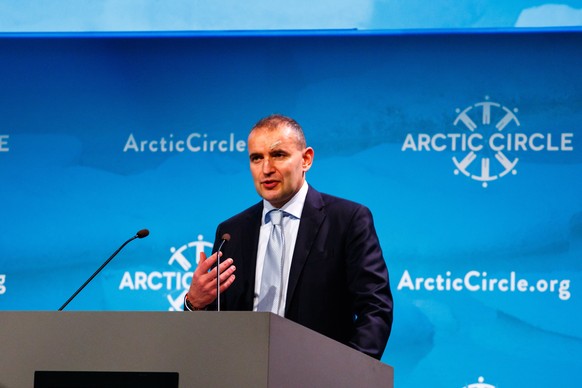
(290, 229)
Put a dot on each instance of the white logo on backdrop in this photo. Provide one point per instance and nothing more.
(195, 142)
(176, 281)
(179, 256)
(481, 281)
(488, 142)
(476, 164)
(4, 143)
(480, 384)
(2, 284)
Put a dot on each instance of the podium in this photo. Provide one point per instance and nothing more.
(212, 349)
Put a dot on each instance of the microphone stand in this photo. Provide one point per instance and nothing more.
(141, 234)
(225, 238)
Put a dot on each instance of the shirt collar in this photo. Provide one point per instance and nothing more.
(295, 205)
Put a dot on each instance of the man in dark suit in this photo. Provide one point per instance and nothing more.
(332, 276)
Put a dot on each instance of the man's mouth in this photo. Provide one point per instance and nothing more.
(270, 184)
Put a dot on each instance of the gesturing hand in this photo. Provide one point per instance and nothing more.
(202, 290)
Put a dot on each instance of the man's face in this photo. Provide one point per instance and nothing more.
(278, 163)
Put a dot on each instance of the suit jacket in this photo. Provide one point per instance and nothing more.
(338, 281)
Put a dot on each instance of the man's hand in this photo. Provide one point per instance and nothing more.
(202, 290)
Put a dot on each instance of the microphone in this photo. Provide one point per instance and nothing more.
(225, 238)
(141, 234)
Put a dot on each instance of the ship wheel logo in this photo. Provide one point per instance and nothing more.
(483, 163)
(480, 384)
(186, 257)
(185, 260)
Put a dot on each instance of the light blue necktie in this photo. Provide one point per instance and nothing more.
(270, 293)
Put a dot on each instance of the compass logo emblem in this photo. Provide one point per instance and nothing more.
(489, 121)
(480, 384)
(179, 255)
(184, 256)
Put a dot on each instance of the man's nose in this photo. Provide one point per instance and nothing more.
(267, 166)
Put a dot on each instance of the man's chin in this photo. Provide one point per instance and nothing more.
(274, 200)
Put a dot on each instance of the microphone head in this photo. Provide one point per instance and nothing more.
(226, 237)
(143, 233)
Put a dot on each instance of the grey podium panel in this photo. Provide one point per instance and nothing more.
(211, 349)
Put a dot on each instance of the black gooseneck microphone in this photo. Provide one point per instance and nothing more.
(141, 234)
(225, 238)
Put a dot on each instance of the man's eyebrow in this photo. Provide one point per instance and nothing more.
(278, 151)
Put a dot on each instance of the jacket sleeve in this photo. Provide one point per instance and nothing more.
(368, 285)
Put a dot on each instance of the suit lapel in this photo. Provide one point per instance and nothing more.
(312, 217)
(250, 245)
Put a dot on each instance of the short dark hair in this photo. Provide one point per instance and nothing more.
(276, 121)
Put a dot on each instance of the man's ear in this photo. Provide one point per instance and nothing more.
(307, 158)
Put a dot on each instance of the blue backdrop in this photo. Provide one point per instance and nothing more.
(464, 146)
